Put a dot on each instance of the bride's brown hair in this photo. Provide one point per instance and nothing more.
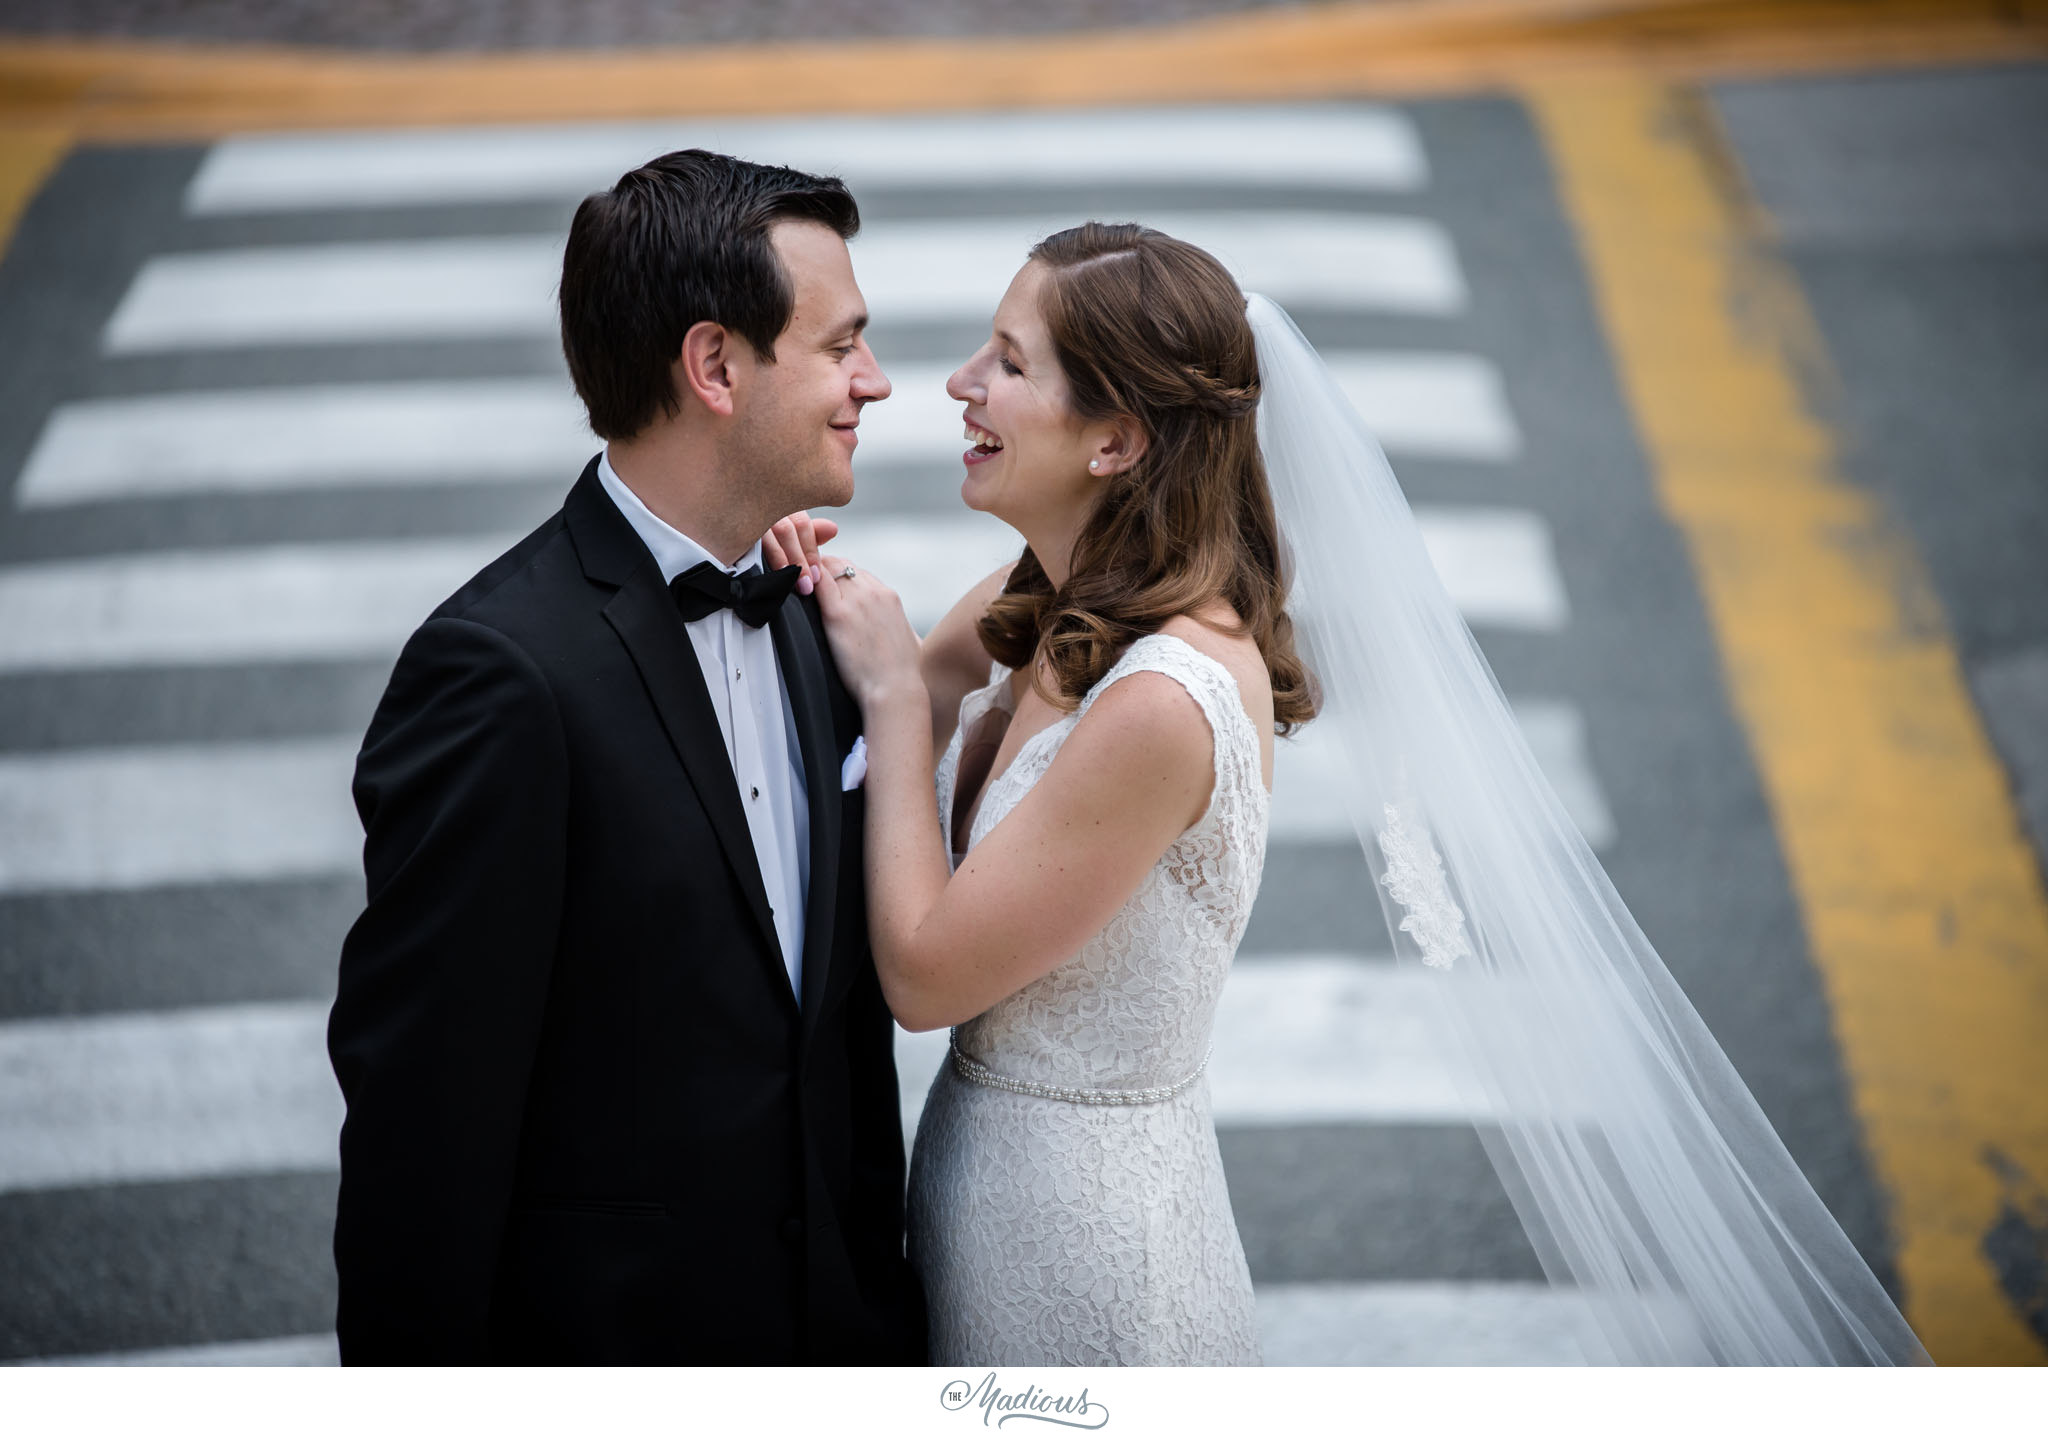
(1153, 329)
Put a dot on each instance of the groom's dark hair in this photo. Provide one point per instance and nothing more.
(681, 240)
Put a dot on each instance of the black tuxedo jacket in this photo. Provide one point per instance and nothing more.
(588, 1120)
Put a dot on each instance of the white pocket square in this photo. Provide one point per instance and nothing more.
(854, 769)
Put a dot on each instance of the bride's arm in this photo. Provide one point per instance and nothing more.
(953, 661)
(1133, 775)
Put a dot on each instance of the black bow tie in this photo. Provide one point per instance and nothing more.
(753, 595)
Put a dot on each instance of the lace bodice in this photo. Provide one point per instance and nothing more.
(1134, 1008)
(1051, 1224)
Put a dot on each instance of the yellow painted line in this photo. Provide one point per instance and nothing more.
(1923, 904)
(28, 155)
(125, 91)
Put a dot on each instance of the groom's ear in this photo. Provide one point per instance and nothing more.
(703, 371)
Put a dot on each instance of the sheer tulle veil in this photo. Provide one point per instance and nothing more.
(1645, 1173)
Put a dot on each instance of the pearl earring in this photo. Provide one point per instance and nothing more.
(1094, 466)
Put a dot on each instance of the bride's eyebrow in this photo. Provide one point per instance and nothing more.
(1009, 341)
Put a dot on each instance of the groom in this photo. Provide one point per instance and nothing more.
(620, 1078)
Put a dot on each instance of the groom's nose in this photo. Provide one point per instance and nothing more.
(870, 384)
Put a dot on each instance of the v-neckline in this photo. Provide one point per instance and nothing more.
(1000, 685)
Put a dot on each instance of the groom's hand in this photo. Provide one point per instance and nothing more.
(794, 542)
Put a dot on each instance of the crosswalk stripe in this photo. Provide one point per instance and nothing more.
(338, 601)
(1306, 771)
(909, 270)
(1440, 405)
(1375, 1324)
(131, 817)
(1498, 564)
(232, 1089)
(1300, 1039)
(134, 817)
(280, 439)
(1441, 1324)
(243, 1089)
(1320, 147)
(308, 601)
(505, 429)
(1370, 1324)
(312, 1350)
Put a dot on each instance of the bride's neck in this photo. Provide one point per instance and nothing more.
(1054, 548)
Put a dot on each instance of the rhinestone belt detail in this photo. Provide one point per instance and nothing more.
(971, 1068)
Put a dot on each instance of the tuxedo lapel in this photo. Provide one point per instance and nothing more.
(644, 615)
(803, 675)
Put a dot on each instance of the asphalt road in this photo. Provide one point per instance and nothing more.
(126, 929)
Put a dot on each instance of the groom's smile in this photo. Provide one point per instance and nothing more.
(824, 373)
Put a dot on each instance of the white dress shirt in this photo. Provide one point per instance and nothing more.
(754, 716)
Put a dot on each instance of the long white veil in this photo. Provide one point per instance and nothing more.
(1640, 1165)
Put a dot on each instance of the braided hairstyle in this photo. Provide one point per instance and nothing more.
(1151, 328)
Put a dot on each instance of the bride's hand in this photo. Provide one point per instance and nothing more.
(872, 641)
(794, 542)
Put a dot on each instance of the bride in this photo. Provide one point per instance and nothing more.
(1103, 790)
(1104, 712)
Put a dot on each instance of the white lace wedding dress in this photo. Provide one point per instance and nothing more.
(1067, 1203)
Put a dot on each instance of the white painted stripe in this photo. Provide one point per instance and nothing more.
(1305, 1039)
(238, 1089)
(511, 429)
(283, 439)
(1333, 1039)
(130, 817)
(313, 601)
(1307, 781)
(1333, 147)
(1446, 1324)
(909, 270)
(959, 269)
(1556, 732)
(359, 600)
(1443, 405)
(315, 1350)
(1499, 565)
(339, 293)
(1362, 1324)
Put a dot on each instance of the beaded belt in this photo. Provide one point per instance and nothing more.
(972, 1068)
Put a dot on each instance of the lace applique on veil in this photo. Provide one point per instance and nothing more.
(1415, 877)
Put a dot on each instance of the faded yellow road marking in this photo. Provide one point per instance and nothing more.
(1922, 900)
(28, 154)
(127, 91)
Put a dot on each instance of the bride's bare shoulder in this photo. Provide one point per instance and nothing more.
(1213, 632)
